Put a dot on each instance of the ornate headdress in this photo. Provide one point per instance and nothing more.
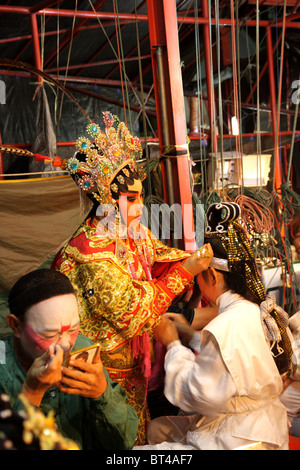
(222, 225)
(104, 157)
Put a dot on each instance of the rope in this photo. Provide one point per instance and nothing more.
(121, 62)
(68, 61)
(258, 139)
(143, 103)
(199, 90)
(35, 173)
(117, 57)
(293, 139)
(235, 92)
(279, 92)
(220, 91)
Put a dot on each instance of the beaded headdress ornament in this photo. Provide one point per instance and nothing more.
(222, 224)
(107, 154)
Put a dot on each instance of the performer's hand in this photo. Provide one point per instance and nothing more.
(85, 379)
(43, 374)
(166, 331)
(184, 330)
(199, 260)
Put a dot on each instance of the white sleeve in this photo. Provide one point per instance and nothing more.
(199, 384)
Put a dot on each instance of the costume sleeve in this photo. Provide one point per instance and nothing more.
(197, 383)
(115, 308)
(112, 423)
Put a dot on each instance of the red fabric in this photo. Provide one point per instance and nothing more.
(294, 443)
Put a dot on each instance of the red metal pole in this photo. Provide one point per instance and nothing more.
(179, 122)
(36, 44)
(273, 107)
(157, 38)
(42, 5)
(208, 69)
(163, 30)
(131, 17)
(107, 99)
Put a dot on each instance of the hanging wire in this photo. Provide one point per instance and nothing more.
(68, 59)
(143, 103)
(212, 91)
(258, 137)
(217, 7)
(239, 106)
(199, 91)
(277, 127)
(293, 136)
(118, 58)
(235, 90)
(122, 62)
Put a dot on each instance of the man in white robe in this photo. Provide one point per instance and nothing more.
(229, 387)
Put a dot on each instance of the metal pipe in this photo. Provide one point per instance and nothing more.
(131, 17)
(164, 120)
(179, 128)
(107, 99)
(42, 5)
(208, 68)
(36, 44)
(96, 64)
(273, 106)
(61, 78)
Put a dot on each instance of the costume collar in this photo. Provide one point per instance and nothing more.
(226, 299)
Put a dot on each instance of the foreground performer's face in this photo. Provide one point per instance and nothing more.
(52, 321)
(131, 204)
(296, 242)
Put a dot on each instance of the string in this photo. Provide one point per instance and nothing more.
(117, 57)
(277, 153)
(235, 93)
(68, 60)
(293, 136)
(212, 90)
(143, 103)
(199, 91)
(118, 32)
(220, 93)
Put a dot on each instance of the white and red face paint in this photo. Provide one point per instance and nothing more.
(52, 321)
(40, 344)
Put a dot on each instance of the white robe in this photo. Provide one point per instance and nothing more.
(229, 389)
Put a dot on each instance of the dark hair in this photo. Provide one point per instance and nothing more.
(123, 180)
(235, 281)
(36, 286)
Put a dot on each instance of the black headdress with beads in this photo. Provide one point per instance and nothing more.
(222, 224)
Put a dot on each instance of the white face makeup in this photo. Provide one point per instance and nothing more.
(52, 321)
(131, 203)
(296, 242)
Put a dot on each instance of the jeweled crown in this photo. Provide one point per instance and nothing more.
(105, 155)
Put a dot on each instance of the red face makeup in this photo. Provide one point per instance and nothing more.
(52, 321)
(36, 341)
(42, 344)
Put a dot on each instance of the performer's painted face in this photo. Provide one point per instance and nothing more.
(296, 242)
(131, 204)
(52, 321)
